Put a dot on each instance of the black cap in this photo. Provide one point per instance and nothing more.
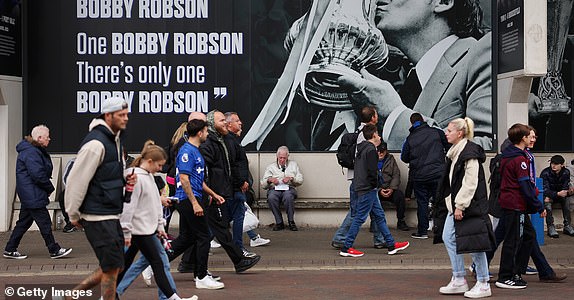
(557, 159)
(382, 147)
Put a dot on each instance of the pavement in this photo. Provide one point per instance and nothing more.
(295, 265)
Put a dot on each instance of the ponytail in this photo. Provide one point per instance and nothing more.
(465, 125)
(150, 151)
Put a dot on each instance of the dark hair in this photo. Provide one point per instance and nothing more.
(416, 117)
(194, 126)
(369, 130)
(464, 18)
(367, 113)
(516, 132)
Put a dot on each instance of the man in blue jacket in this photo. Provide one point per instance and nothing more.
(33, 185)
(424, 150)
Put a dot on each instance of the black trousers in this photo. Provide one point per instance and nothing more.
(194, 234)
(145, 244)
(25, 219)
(398, 198)
(218, 220)
(519, 238)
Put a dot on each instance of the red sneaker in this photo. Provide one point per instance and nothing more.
(398, 247)
(351, 253)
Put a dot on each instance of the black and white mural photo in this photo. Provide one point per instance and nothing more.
(296, 71)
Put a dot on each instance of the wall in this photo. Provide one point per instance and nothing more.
(10, 135)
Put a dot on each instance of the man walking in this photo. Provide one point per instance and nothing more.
(33, 186)
(365, 183)
(218, 164)
(190, 172)
(95, 193)
(241, 184)
(368, 115)
(424, 151)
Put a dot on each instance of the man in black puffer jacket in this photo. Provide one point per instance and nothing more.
(424, 150)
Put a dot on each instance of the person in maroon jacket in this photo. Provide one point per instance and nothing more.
(517, 199)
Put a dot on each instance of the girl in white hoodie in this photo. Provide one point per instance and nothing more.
(142, 218)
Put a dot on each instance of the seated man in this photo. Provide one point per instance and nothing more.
(389, 179)
(556, 180)
(280, 179)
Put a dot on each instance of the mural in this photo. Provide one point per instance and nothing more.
(168, 58)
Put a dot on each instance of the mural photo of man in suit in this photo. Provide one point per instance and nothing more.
(452, 73)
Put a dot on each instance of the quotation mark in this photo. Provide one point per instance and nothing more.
(219, 92)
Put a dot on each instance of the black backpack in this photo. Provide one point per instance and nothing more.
(347, 149)
(494, 208)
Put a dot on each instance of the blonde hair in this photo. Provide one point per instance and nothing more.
(150, 151)
(178, 134)
(465, 125)
(39, 131)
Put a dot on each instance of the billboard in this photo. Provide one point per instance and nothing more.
(171, 57)
(10, 38)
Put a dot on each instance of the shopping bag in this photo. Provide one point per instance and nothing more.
(250, 220)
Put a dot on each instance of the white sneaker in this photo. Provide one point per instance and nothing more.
(479, 290)
(454, 287)
(259, 241)
(177, 297)
(214, 244)
(147, 274)
(208, 283)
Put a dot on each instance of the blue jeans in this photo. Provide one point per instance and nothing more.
(367, 203)
(252, 234)
(424, 190)
(457, 260)
(341, 233)
(236, 208)
(140, 265)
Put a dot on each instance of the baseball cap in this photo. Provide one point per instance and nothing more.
(112, 104)
(382, 147)
(557, 159)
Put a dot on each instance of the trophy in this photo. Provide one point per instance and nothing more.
(551, 90)
(351, 42)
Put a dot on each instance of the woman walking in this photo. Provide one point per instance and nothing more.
(462, 210)
(142, 217)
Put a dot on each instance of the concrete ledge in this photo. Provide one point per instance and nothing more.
(337, 203)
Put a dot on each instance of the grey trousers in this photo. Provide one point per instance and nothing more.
(287, 198)
(565, 204)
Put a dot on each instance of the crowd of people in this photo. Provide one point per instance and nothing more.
(446, 171)
(123, 208)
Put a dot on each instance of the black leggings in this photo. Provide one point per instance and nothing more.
(145, 244)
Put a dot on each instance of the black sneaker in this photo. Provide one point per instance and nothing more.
(69, 228)
(14, 255)
(420, 236)
(61, 253)
(278, 227)
(402, 225)
(337, 245)
(246, 264)
(293, 227)
(380, 246)
(514, 283)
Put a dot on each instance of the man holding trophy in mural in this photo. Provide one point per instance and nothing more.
(330, 66)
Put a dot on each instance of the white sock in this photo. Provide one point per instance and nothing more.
(459, 280)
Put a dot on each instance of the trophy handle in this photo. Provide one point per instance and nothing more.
(369, 7)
